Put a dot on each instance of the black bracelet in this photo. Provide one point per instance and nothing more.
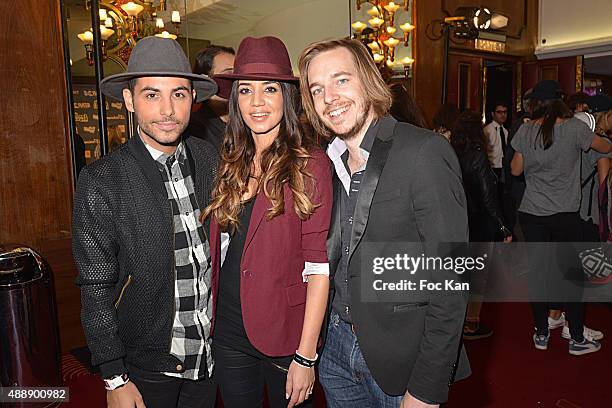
(303, 361)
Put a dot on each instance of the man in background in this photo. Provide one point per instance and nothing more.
(209, 120)
(497, 137)
(497, 145)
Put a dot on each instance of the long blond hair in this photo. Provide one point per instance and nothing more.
(376, 91)
(284, 162)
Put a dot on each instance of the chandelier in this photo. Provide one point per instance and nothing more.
(123, 23)
(379, 33)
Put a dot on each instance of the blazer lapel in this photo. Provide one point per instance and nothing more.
(376, 163)
(259, 211)
(334, 235)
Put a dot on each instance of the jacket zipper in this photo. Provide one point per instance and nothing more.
(173, 285)
(125, 285)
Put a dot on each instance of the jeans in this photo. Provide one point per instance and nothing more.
(161, 391)
(343, 372)
(242, 377)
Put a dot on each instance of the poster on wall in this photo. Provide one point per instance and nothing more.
(86, 120)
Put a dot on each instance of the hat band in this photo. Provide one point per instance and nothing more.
(264, 68)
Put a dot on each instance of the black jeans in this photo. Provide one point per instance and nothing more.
(241, 378)
(555, 271)
(161, 391)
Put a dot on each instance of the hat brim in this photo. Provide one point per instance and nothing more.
(114, 85)
(225, 81)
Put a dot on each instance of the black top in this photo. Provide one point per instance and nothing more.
(229, 327)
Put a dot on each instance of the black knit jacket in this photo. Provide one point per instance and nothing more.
(123, 246)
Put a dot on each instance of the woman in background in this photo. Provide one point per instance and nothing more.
(484, 215)
(548, 150)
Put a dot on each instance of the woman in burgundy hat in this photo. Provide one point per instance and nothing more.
(270, 215)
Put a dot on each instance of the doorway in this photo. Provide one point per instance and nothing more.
(500, 77)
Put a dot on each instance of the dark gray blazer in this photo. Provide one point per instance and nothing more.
(411, 192)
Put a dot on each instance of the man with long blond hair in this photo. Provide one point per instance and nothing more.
(393, 183)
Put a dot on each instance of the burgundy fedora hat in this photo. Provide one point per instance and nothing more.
(260, 59)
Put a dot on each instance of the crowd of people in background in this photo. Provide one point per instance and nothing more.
(541, 180)
(556, 194)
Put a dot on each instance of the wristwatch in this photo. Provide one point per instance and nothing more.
(116, 381)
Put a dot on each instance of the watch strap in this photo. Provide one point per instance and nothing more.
(116, 381)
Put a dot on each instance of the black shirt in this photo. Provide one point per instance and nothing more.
(229, 326)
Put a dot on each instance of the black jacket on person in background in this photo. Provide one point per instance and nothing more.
(123, 246)
(480, 185)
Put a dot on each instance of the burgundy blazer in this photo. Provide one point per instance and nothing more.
(272, 291)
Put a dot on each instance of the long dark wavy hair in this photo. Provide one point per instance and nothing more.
(284, 162)
(467, 133)
(549, 111)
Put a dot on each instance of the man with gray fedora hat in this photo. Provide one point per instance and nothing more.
(142, 253)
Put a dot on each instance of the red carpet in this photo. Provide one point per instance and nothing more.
(508, 370)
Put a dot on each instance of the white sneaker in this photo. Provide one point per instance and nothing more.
(588, 334)
(556, 323)
(586, 347)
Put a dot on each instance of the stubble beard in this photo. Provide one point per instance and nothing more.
(163, 138)
(357, 127)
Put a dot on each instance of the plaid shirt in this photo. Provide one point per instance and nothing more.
(193, 300)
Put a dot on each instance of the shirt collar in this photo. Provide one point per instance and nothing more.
(497, 125)
(161, 157)
(337, 148)
(368, 138)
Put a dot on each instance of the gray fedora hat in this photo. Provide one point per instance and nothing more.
(158, 57)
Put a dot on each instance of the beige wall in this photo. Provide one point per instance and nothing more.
(299, 26)
(577, 25)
